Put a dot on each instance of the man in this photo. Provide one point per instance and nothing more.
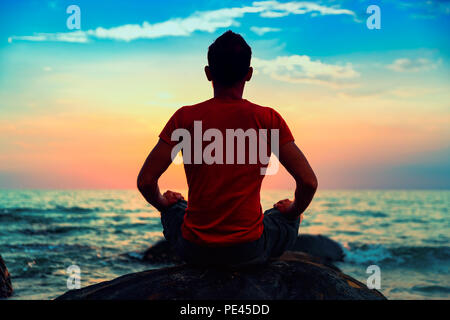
(222, 222)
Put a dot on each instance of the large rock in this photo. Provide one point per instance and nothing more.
(319, 246)
(161, 252)
(316, 245)
(294, 276)
(6, 288)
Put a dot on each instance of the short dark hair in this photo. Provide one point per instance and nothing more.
(229, 58)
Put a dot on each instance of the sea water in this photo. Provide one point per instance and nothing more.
(42, 233)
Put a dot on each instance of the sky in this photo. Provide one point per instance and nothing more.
(81, 109)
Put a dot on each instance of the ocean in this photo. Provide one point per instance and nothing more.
(42, 233)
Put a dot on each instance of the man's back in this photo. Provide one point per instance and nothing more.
(226, 143)
(223, 177)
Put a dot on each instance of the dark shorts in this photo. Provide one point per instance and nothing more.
(279, 235)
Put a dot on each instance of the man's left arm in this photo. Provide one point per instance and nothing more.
(154, 166)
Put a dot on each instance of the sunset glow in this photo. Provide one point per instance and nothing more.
(369, 108)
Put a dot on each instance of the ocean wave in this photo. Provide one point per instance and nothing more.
(12, 217)
(6, 212)
(374, 214)
(431, 289)
(402, 255)
(410, 220)
(74, 209)
(45, 247)
(51, 230)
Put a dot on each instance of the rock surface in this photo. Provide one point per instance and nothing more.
(161, 252)
(294, 276)
(6, 288)
(315, 245)
(319, 246)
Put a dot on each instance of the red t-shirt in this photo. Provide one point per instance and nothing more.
(224, 198)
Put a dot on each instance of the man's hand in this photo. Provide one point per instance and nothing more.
(288, 208)
(284, 206)
(170, 197)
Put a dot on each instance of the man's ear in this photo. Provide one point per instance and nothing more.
(249, 74)
(208, 73)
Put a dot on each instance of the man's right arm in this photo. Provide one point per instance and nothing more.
(296, 164)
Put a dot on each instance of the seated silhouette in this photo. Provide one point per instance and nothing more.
(222, 222)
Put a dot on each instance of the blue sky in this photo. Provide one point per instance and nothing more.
(405, 25)
(332, 78)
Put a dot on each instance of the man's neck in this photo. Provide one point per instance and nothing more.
(229, 93)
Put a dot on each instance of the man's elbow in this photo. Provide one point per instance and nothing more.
(143, 184)
(311, 184)
(140, 185)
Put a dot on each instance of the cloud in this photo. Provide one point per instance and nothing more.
(301, 69)
(206, 21)
(263, 30)
(275, 9)
(409, 65)
(75, 37)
